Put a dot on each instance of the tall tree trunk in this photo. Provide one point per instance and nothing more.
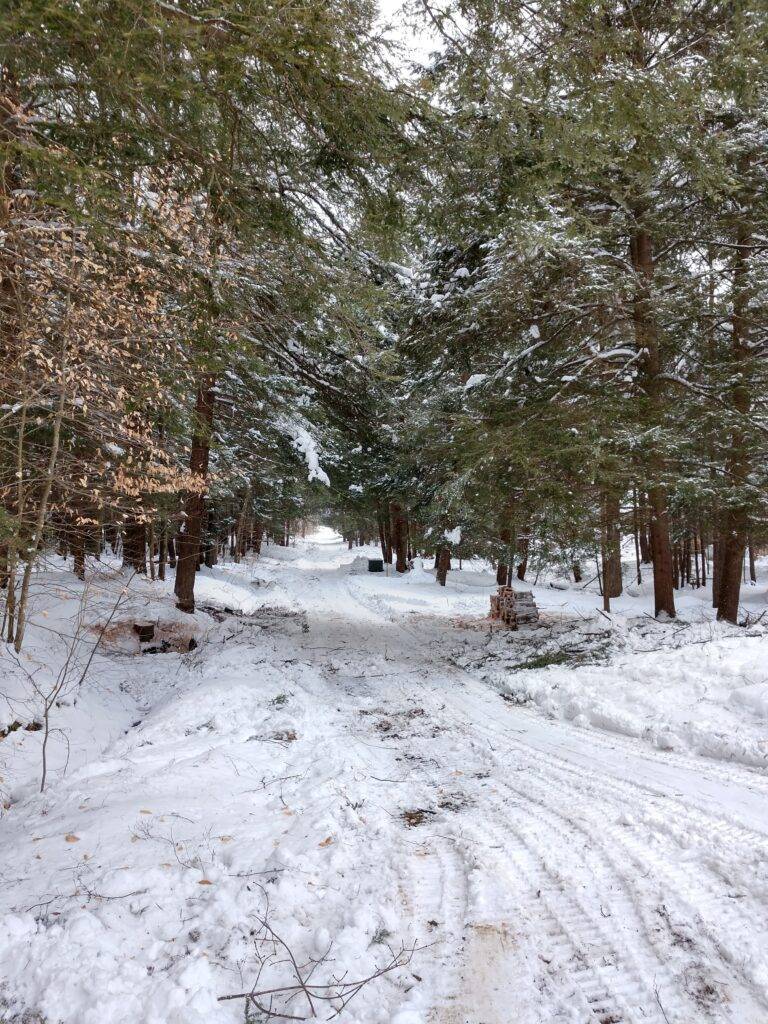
(718, 556)
(736, 520)
(647, 340)
(612, 578)
(522, 550)
(604, 559)
(211, 541)
(162, 551)
(151, 548)
(635, 531)
(646, 555)
(752, 567)
(134, 546)
(78, 548)
(443, 564)
(242, 519)
(501, 574)
(382, 535)
(399, 535)
(194, 505)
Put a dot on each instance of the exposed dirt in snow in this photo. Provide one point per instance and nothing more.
(340, 766)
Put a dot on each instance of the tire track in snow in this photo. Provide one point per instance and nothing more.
(617, 972)
(692, 893)
(434, 892)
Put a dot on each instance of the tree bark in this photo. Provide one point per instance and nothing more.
(636, 533)
(134, 546)
(194, 505)
(612, 578)
(718, 552)
(646, 556)
(78, 553)
(522, 550)
(443, 564)
(736, 520)
(399, 529)
(647, 340)
(382, 536)
(162, 550)
(242, 519)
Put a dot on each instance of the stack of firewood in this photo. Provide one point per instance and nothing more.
(514, 607)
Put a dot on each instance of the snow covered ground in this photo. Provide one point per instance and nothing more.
(569, 824)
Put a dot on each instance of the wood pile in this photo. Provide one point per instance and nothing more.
(514, 607)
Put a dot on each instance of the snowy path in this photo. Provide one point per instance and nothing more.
(379, 793)
(627, 873)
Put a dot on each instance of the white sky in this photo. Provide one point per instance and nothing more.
(416, 45)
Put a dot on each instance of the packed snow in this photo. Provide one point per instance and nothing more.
(343, 775)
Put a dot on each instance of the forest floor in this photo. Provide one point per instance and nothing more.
(350, 773)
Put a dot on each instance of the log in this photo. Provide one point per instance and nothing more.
(514, 608)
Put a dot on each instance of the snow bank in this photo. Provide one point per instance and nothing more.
(358, 566)
(216, 800)
(708, 696)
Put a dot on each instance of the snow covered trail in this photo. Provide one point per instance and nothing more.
(330, 762)
(573, 875)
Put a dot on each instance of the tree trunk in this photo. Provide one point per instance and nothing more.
(210, 546)
(636, 533)
(612, 578)
(522, 550)
(443, 564)
(399, 529)
(605, 582)
(646, 556)
(647, 341)
(78, 553)
(718, 551)
(676, 566)
(382, 536)
(134, 546)
(752, 567)
(736, 520)
(151, 549)
(162, 553)
(501, 574)
(191, 530)
(239, 537)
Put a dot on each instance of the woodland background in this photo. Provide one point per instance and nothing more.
(257, 267)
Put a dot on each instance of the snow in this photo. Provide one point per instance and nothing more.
(453, 536)
(363, 764)
(306, 445)
(474, 380)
